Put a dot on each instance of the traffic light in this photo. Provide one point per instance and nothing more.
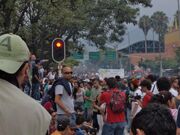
(58, 50)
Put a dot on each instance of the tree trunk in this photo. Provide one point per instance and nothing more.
(145, 44)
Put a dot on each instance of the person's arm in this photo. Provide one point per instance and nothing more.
(58, 100)
(36, 74)
(87, 97)
(178, 118)
(37, 78)
(101, 98)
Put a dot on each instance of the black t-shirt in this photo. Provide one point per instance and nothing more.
(35, 72)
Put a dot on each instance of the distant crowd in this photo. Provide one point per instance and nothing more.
(69, 105)
(88, 102)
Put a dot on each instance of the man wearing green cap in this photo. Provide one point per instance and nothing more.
(19, 113)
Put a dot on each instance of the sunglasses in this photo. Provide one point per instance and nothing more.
(68, 72)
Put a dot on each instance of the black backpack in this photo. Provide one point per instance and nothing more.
(50, 96)
(51, 93)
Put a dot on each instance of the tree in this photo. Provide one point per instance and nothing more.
(71, 62)
(160, 24)
(40, 21)
(12, 14)
(145, 25)
(108, 18)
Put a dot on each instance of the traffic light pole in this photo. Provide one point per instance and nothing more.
(60, 66)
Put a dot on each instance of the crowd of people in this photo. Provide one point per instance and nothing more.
(88, 99)
(70, 105)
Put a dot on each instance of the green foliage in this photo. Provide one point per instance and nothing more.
(70, 62)
(170, 64)
(106, 20)
(40, 21)
(160, 24)
(154, 65)
(145, 24)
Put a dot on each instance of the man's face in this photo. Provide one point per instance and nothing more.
(23, 75)
(67, 73)
(175, 84)
(96, 84)
(143, 89)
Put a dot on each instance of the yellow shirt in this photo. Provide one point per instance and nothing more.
(56, 133)
(20, 114)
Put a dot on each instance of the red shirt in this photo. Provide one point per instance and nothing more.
(111, 116)
(146, 99)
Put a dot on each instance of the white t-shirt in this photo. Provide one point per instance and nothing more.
(154, 89)
(51, 75)
(67, 99)
(138, 92)
(80, 96)
(173, 92)
(20, 114)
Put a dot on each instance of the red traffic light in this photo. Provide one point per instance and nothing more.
(58, 50)
(59, 43)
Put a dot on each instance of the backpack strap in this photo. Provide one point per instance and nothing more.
(64, 83)
(153, 88)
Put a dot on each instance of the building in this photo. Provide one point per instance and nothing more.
(136, 51)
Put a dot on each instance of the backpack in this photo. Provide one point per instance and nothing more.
(117, 102)
(50, 97)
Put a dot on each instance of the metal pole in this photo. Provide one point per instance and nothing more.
(129, 44)
(160, 57)
(153, 42)
(178, 14)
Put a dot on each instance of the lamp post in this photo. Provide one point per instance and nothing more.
(129, 49)
(178, 13)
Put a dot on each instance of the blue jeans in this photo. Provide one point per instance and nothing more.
(114, 128)
(87, 114)
(72, 117)
(35, 91)
(128, 117)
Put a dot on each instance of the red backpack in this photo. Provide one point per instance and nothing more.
(117, 101)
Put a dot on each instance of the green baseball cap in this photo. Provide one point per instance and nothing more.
(13, 53)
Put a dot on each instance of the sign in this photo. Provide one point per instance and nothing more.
(94, 56)
(110, 55)
(111, 73)
(77, 55)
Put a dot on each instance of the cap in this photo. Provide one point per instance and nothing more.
(13, 53)
(86, 80)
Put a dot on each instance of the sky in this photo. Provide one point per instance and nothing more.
(167, 6)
